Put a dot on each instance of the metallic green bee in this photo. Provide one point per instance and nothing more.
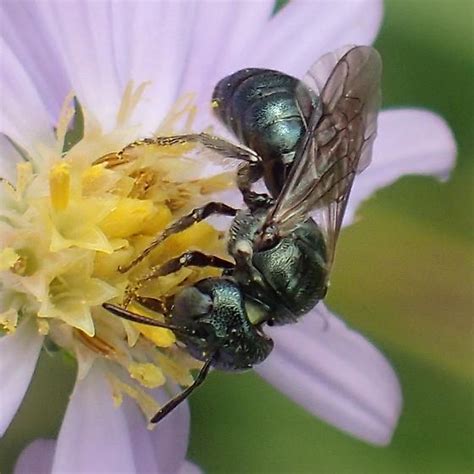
(307, 140)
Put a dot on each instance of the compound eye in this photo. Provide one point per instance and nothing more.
(191, 305)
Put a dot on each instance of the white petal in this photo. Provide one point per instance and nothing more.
(36, 458)
(409, 141)
(189, 468)
(22, 114)
(337, 375)
(31, 42)
(98, 437)
(304, 30)
(18, 356)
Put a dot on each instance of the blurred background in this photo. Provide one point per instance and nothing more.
(416, 237)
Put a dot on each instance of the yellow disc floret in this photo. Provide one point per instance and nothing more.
(87, 207)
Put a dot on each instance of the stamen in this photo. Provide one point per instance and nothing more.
(96, 344)
(65, 116)
(149, 375)
(59, 185)
(147, 404)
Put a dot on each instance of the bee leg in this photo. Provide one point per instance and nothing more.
(197, 215)
(211, 142)
(175, 401)
(187, 259)
(247, 175)
(154, 304)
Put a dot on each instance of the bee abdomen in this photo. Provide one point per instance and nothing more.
(259, 106)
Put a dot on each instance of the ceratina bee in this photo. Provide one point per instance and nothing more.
(307, 140)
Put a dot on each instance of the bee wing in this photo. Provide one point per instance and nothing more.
(337, 144)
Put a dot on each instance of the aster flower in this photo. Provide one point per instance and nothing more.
(72, 216)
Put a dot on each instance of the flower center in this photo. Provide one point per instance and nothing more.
(73, 219)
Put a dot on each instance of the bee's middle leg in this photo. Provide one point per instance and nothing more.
(187, 259)
(197, 215)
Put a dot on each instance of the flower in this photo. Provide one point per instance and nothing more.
(166, 49)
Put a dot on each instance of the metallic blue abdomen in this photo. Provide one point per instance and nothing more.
(259, 107)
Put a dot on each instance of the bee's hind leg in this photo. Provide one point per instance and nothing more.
(247, 175)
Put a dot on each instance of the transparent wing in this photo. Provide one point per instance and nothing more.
(337, 144)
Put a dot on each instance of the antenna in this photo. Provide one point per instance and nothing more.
(138, 318)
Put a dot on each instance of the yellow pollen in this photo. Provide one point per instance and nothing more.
(8, 258)
(9, 320)
(159, 336)
(59, 185)
(43, 327)
(147, 404)
(149, 375)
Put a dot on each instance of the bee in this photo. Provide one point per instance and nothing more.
(307, 139)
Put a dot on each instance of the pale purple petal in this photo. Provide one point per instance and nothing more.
(82, 32)
(186, 47)
(229, 32)
(336, 374)
(409, 141)
(160, 35)
(94, 435)
(18, 356)
(189, 468)
(9, 158)
(36, 458)
(98, 437)
(304, 30)
(23, 116)
(165, 446)
(27, 35)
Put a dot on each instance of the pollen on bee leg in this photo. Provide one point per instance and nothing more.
(59, 185)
